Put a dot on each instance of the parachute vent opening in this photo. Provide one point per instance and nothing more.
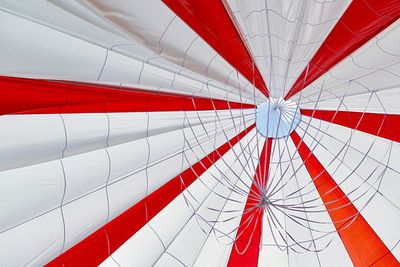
(277, 118)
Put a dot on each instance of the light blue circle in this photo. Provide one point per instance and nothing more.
(277, 118)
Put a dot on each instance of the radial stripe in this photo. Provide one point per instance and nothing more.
(382, 125)
(361, 21)
(212, 22)
(102, 243)
(34, 96)
(246, 248)
(363, 245)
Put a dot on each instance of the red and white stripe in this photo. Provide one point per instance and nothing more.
(128, 133)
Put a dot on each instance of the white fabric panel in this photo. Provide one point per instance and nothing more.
(33, 243)
(169, 260)
(179, 210)
(109, 262)
(84, 173)
(27, 192)
(84, 216)
(378, 209)
(91, 52)
(126, 192)
(389, 185)
(77, 19)
(127, 158)
(162, 122)
(159, 148)
(335, 254)
(375, 102)
(189, 241)
(371, 68)
(146, 242)
(70, 17)
(284, 35)
(164, 78)
(271, 255)
(23, 142)
(164, 171)
(85, 132)
(119, 68)
(125, 127)
(42, 56)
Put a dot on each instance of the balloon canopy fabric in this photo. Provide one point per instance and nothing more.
(200, 133)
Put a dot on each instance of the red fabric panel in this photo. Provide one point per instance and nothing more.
(212, 22)
(362, 20)
(246, 248)
(381, 125)
(94, 249)
(363, 245)
(33, 96)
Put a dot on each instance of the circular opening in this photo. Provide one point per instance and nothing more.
(277, 118)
